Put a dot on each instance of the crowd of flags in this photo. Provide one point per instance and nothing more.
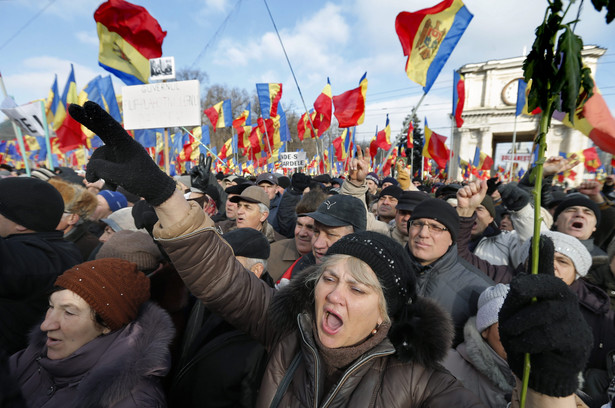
(129, 36)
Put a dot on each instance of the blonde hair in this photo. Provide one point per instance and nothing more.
(359, 271)
(77, 199)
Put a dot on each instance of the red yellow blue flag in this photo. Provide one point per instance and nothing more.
(428, 38)
(434, 147)
(323, 109)
(269, 96)
(383, 138)
(350, 106)
(52, 104)
(129, 37)
(220, 115)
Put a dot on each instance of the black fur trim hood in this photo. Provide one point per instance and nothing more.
(422, 335)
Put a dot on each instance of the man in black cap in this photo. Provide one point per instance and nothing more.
(408, 200)
(441, 274)
(336, 217)
(220, 364)
(33, 255)
(387, 201)
(226, 221)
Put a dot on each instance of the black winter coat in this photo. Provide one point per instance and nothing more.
(29, 266)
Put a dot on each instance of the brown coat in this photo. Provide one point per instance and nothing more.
(377, 379)
(283, 254)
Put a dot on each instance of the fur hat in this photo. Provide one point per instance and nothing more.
(30, 202)
(489, 304)
(438, 210)
(77, 199)
(132, 246)
(114, 288)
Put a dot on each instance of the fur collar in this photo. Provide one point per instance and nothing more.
(139, 351)
(424, 336)
(484, 359)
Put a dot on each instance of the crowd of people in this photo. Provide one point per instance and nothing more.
(124, 287)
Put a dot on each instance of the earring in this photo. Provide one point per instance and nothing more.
(375, 329)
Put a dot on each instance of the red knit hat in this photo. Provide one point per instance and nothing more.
(114, 288)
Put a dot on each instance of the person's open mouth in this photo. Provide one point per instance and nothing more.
(332, 322)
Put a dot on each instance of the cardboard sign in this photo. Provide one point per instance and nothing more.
(291, 160)
(161, 105)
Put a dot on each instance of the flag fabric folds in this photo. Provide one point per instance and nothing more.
(591, 159)
(220, 115)
(410, 136)
(323, 109)
(129, 36)
(52, 104)
(434, 147)
(594, 120)
(428, 38)
(350, 106)
(383, 138)
(459, 97)
(69, 133)
(269, 96)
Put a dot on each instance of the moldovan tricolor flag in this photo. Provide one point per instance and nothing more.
(220, 115)
(428, 38)
(129, 37)
(269, 96)
(434, 147)
(322, 107)
(350, 106)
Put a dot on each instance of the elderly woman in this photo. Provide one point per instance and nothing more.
(352, 332)
(102, 344)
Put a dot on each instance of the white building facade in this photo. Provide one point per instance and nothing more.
(490, 122)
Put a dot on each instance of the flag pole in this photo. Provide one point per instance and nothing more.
(416, 107)
(202, 144)
(514, 149)
(47, 142)
(450, 153)
(166, 151)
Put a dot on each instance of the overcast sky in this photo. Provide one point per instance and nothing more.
(340, 40)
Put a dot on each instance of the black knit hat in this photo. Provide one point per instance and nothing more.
(393, 191)
(577, 200)
(438, 210)
(30, 202)
(388, 260)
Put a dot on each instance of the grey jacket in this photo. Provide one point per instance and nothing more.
(480, 369)
(454, 284)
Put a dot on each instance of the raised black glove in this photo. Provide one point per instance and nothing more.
(299, 182)
(144, 215)
(492, 185)
(122, 160)
(551, 329)
(513, 196)
(199, 174)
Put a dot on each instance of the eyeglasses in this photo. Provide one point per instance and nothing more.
(434, 229)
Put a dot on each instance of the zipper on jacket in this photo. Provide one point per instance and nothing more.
(315, 359)
(354, 367)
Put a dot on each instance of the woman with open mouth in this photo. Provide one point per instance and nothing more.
(101, 344)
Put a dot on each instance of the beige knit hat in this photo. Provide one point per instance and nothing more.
(133, 246)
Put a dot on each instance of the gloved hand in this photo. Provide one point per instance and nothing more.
(122, 160)
(513, 196)
(403, 175)
(492, 185)
(144, 215)
(199, 174)
(299, 182)
(551, 329)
